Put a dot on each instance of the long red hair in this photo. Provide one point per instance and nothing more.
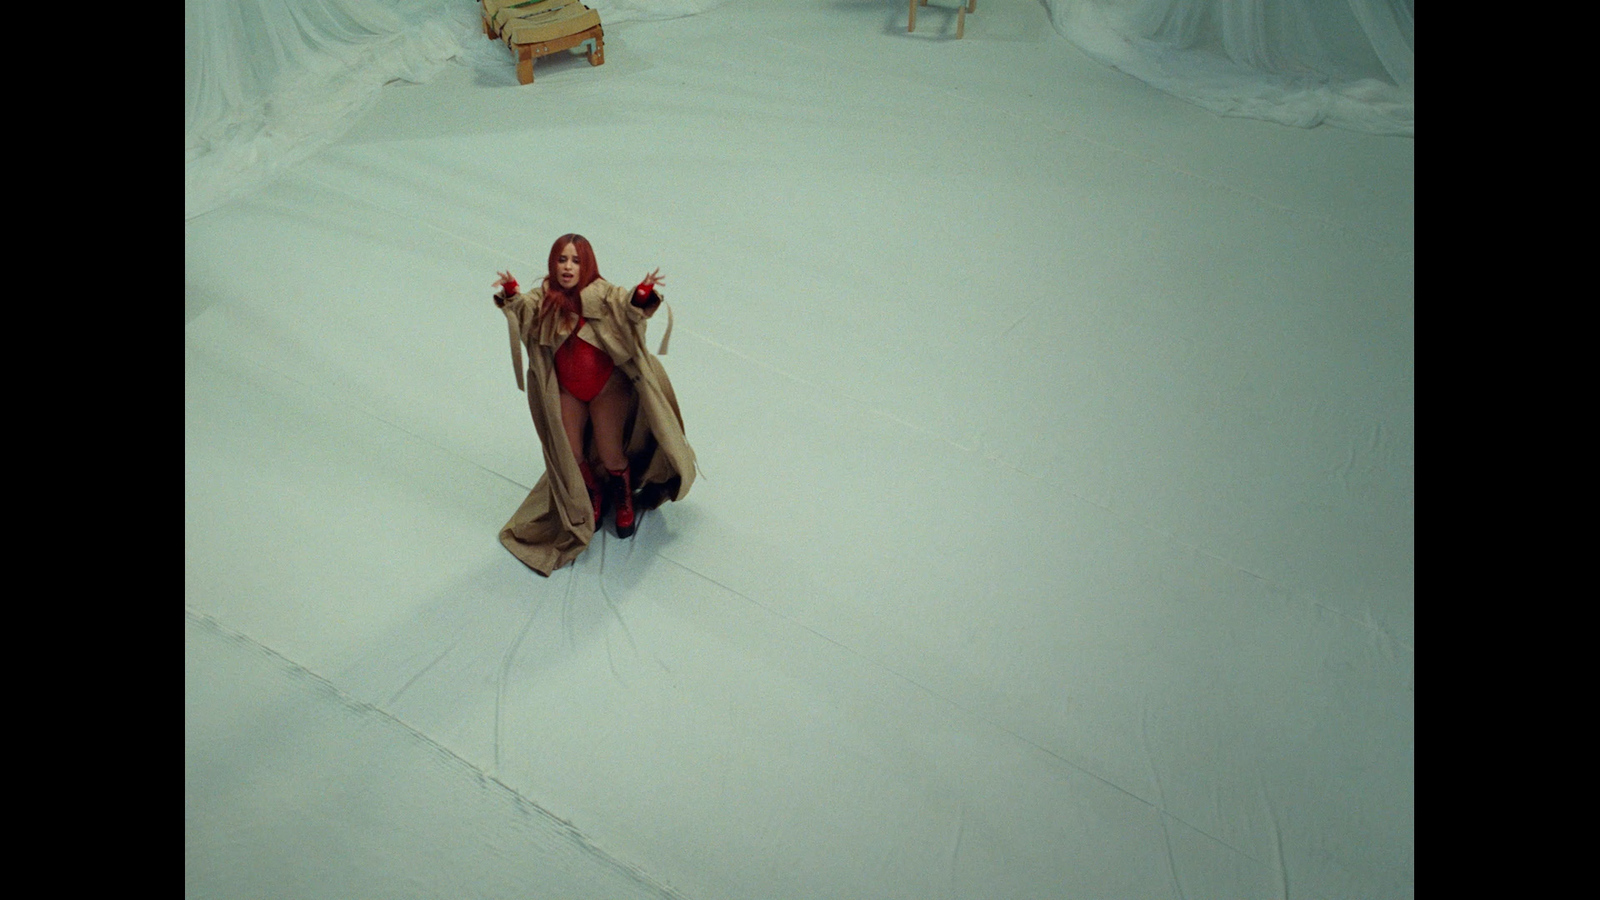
(555, 297)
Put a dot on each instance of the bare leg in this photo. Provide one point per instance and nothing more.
(609, 411)
(574, 415)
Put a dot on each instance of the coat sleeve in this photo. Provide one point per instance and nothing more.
(518, 311)
(621, 299)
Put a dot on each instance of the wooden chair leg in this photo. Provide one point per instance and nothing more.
(913, 26)
(597, 51)
(961, 21)
(524, 64)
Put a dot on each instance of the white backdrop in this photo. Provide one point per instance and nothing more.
(1056, 529)
(269, 82)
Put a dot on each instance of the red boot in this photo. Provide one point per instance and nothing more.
(621, 485)
(594, 491)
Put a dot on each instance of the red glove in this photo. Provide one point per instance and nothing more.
(508, 285)
(647, 289)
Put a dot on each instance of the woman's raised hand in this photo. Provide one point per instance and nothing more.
(650, 281)
(506, 283)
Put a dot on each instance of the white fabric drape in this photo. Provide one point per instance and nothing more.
(1349, 63)
(270, 82)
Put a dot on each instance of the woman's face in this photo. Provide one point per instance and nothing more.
(567, 266)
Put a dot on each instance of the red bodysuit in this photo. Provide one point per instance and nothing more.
(582, 368)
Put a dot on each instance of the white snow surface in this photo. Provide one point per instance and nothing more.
(1055, 532)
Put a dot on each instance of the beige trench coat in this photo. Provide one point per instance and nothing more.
(555, 523)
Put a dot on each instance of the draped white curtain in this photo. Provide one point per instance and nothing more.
(1348, 63)
(270, 82)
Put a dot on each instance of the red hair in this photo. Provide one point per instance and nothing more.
(588, 272)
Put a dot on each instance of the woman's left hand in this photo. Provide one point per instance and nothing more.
(649, 283)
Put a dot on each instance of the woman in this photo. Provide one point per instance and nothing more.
(601, 403)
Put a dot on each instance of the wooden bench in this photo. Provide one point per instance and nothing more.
(534, 28)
